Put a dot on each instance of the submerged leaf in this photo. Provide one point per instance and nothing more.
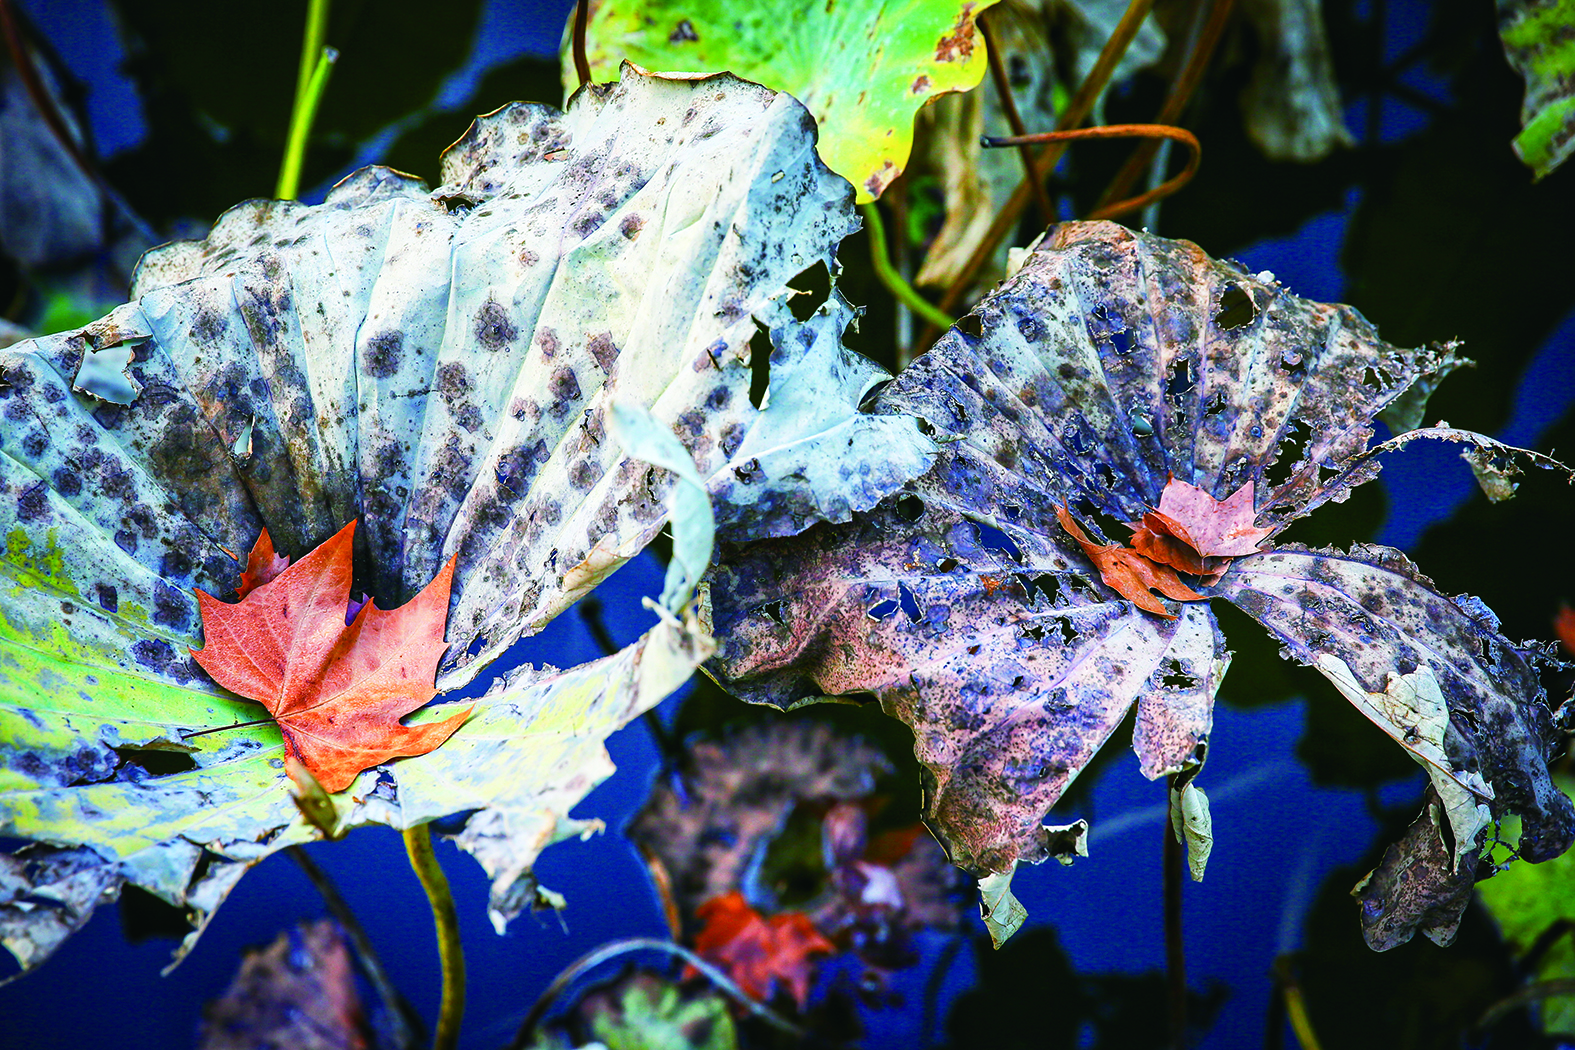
(1112, 364)
(862, 68)
(440, 366)
(759, 952)
(297, 992)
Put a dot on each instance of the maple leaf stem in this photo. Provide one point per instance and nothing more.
(424, 862)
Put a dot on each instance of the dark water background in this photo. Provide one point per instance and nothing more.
(1429, 227)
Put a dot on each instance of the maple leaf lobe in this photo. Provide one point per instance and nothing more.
(1129, 573)
(337, 690)
(1192, 531)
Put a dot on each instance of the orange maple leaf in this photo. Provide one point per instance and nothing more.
(337, 690)
(1129, 573)
(262, 565)
(756, 951)
(1192, 531)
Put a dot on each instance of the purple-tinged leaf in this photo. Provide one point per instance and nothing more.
(1476, 717)
(1418, 885)
(1110, 364)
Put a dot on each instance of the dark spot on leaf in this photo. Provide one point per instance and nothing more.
(564, 386)
(33, 502)
(604, 351)
(380, 357)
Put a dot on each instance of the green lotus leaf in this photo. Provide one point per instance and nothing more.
(1540, 46)
(863, 68)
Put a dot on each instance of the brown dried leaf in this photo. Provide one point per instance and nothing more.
(1129, 573)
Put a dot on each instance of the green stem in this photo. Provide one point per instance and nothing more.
(894, 281)
(311, 79)
(424, 862)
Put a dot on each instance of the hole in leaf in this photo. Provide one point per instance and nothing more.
(946, 565)
(867, 402)
(157, 763)
(1237, 309)
(883, 610)
(774, 611)
(970, 325)
(1012, 511)
(814, 288)
(1121, 341)
(973, 650)
(1175, 677)
(759, 364)
(1035, 631)
(1180, 380)
(144, 916)
(992, 538)
(454, 823)
(910, 507)
(1044, 583)
(910, 604)
(926, 427)
(1287, 455)
(1068, 632)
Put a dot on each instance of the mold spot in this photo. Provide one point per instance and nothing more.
(33, 502)
(564, 386)
(494, 330)
(381, 356)
(631, 226)
(604, 350)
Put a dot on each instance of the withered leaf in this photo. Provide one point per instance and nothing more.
(1192, 531)
(1418, 885)
(1112, 364)
(1129, 573)
(757, 951)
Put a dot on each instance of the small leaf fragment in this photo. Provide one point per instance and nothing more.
(1129, 573)
(1192, 825)
(1002, 912)
(693, 523)
(1416, 886)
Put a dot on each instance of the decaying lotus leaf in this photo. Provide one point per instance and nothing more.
(1110, 363)
(442, 366)
(1420, 884)
(863, 68)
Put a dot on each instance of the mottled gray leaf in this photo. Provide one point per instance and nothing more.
(440, 365)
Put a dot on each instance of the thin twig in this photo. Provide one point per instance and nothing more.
(1003, 89)
(1181, 91)
(424, 862)
(888, 275)
(582, 64)
(1175, 951)
(1531, 993)
(1077, 109)
(399, 1009)
(613, 950)
(1123, 131)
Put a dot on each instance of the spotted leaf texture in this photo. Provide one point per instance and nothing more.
(1112, 363)
(862, 67)
(441, 366)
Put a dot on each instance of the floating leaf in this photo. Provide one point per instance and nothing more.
(1112, 363)
(862, 69)
(440, 366)
(1536, 40)
(1527, 901)
(759, 952)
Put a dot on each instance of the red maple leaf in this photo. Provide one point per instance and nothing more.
(1564, 627)
(1192, 531)
(756, 951)
(1129, 573)
(337, 690)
